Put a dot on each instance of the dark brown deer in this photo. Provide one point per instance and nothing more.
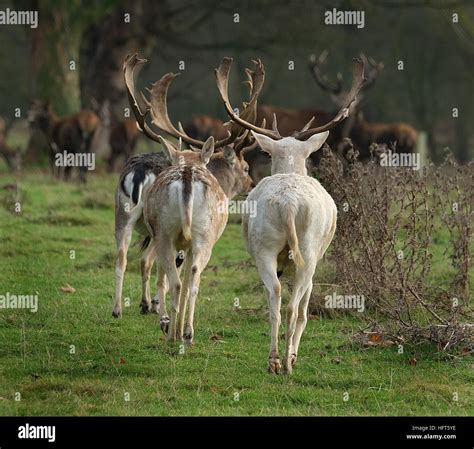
(399, 135)
(203, 126)
(123, 139)
(72, 134)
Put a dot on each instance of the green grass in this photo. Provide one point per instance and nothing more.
(129, 356)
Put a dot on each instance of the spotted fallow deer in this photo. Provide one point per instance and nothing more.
(228, 167)
(296, 218)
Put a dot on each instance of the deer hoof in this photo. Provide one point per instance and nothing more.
(188, 337)
(154, 307)
(293, 359)
(145, 308)
(164, 324)
(116, 313)
(274, 366)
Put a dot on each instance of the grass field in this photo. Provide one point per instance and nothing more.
(73, 358)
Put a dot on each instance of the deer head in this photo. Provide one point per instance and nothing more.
(336, 91)
(40, 115)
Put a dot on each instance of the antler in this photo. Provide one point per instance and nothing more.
(157, 108)
(258, 77)
(160, 117)
(374, 68)
(358, 81)
(129, 65)
(222, 77)
(322, 81)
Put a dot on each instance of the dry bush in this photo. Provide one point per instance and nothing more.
(388, 219)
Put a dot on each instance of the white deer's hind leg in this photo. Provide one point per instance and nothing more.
(301, 320)
(300, 287)
(123, 237)
(146, 266)
(267, 268)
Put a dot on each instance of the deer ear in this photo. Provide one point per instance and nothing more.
(315, 142)
(229, 155)
(169, 150)
(265, 143)
(207, 150)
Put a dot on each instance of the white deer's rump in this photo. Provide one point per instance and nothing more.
(294, 211)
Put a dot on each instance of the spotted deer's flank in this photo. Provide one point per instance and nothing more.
(296, 218)
(183, 214)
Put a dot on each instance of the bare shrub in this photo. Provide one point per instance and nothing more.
(389, 218)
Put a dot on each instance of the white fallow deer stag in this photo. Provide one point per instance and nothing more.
(296, 218)
(228, 167)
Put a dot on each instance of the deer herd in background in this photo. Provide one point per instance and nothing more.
(74, 133)
(177, 198)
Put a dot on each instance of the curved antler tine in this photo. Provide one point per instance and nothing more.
(130, 64)
(323, 56)
(253, 145)
(160, 117)
(322, 81)
(181, 129)
(222, 80)
(241, 141)
(358, 81)
(275, 125)
(306, 127)
(180, 141)
(145, 99)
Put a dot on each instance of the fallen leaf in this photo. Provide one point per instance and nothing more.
(67, 289)
(336, 360)
(374, 338)
(412, 361)
(122, 361)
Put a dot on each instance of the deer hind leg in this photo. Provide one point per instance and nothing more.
(123, 236)
(267, 268)
(195, 264)
(146, 266)
(158, 304)
(301, 320)
(183, 297)
(166, 261)
(300, 287)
